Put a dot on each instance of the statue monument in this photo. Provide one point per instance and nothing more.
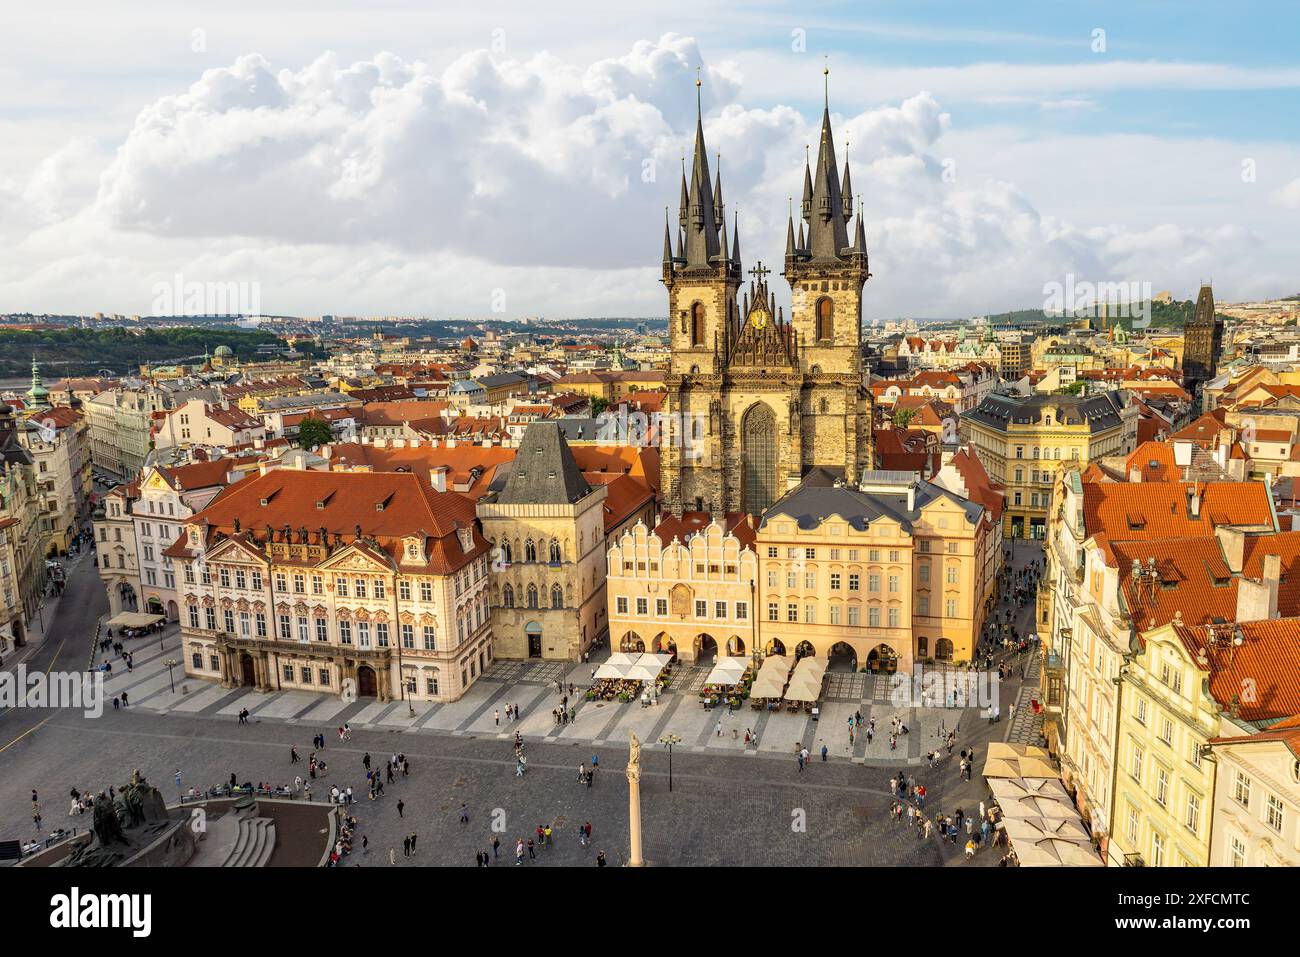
(123, 826)
(634, 802)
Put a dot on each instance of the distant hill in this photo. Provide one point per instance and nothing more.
(1164, 315)
(72, 352)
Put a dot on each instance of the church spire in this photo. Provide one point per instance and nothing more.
(847, 188)
(668, 242)
(806, 206)
(828, 236)
(735, 239)
(702, 224)
(790, 248)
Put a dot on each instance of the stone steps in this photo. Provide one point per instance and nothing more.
(255, 844)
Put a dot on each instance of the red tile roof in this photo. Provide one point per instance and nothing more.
(1262, 674)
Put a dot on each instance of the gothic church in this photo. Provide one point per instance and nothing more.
(764, 400)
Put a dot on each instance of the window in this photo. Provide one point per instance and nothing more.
(923, 573)
(835, 614)
(287, 670)
(950, 607)
(381, 634)
(299, 584)
(257, 581)
(810, 614)
(810, 554)
(825, 318)
(854, 615)
(1166, 730)
(359, 588)
(281, 582)
(742, 610)
(427, 637)
(555, 552)
(773, 611)
(1273, 812)
(1135, 764)
(286, 631)
(952, 573)
(701, 608)
(1192, 819)
(873, 617)
(1131, 825)
(792, 612)
(1241, 790)
(791, 579)
(403, 589)
(345, 632)
(1237, 853)
(1141, 716)
(923, 605)
(224, 577)
(530, 551)
(325, 677)
(363, 634)
(1157, 850)
(210, 617)
(873, 583)
(532, 596)
(620, 604)
(720, 609)
(196, 660)
(260, 621)
(426, 591)
(317, 585)
(892, 618)
(1162, 787)
(835, 581)
(642, 604)
(194, 616)
(893, 584)
(302, 628)
(322, 630)
(661, 607)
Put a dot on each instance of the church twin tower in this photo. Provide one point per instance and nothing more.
(763, 400)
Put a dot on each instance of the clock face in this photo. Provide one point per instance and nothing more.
(758, 318)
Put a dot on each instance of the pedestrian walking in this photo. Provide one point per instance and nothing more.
(401, 806)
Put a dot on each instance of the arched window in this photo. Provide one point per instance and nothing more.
(532, 596)
(505, 553)
(508, 597)
(555, 551)
(823, 407)
(530, 551)
(697, 324)
(758, 458)
(825, 312)
(557, 596)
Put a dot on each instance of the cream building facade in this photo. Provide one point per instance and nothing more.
(115, 549)
(121, 421)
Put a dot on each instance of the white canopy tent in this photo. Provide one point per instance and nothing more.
(728, 671)
(133, 619)
(806, 683)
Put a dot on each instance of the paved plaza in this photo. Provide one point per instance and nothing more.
(731, 803)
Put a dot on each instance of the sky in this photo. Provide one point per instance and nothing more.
(412, 158)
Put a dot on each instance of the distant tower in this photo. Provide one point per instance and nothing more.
(1202, 342)
(38, 396)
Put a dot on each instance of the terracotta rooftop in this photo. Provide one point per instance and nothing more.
(1267, 662)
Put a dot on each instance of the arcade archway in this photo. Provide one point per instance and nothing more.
(882, 660)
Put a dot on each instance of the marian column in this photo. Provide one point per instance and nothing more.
(634, 802)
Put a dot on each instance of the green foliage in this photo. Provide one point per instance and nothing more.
(599, 404)
(903, 416)
(65, 352)
(313, 433)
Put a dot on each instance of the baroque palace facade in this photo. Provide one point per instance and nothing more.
(387, 595)
(761, 400)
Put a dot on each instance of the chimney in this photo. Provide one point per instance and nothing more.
(1135, 474)
(1194, 502)
(438, 478)
(1233, 543)
(1257, 600)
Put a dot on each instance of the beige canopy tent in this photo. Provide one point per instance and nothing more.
(1009, 789)
(608, 671)
(728, 671)
(1035, 828)
(621, 660)
(1005, 749)
(806, 683)
(1055, 852)
(1019, 768)
(133, 619)
(771, 677)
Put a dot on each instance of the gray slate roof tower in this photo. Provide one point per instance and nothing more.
(544, 472)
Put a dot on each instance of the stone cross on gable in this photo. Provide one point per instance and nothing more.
(760, 271)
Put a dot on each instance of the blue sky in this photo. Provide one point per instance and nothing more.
(409, 158)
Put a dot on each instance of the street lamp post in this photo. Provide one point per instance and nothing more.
(169, 664)
(668, 740)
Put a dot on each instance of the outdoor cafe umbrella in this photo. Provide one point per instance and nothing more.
(609, 671)
(1034, 828)
(1019, 768)
(771, 678)
(728, 671)
(1038, 806)
(1006, 789)
(1006, 749)
(1055, 852)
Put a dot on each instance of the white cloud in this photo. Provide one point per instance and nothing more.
(1289, 195)
(389, 186)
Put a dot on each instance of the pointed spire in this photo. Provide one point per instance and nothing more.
(847, 189)
(790, 247)
(685, 199)
(735, 240)
(717, 195)
(800, 242)
(860, 235)
(828, 236)
(806, 205)
(702, 226)
(668, 241)
(722, 243)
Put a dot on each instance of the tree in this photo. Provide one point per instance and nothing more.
(314, 432)
(903, 416)
(599, 404)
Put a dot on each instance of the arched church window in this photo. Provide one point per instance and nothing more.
(508, 597)
(555, 551)
(505, 553)
(532, 596)
(530, 551)
(557, 597)
(758, 458)
(697, 324)
(825, 313)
